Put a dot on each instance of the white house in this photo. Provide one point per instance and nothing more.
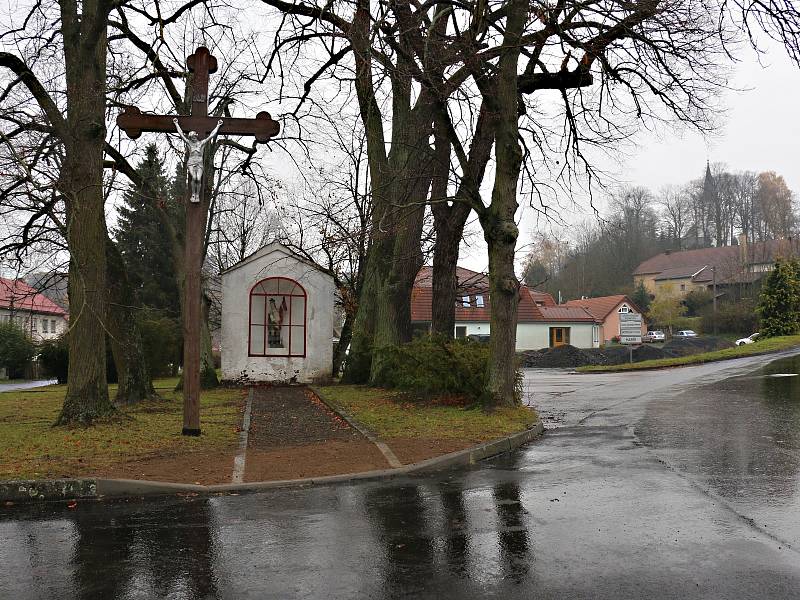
(277, 319)
(540, 322)
(40, 317)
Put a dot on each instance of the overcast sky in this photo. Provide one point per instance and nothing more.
(761, 132)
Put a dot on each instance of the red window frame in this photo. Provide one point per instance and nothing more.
(291, 327)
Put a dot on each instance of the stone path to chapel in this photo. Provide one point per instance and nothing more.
(293, 434)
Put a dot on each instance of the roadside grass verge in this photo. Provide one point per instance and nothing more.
(390, 414)
(31, 448)
(766, 346)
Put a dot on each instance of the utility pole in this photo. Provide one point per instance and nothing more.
(714, 300)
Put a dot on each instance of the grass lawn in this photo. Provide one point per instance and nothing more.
(30, 447)
(765, 346)
(390, 414)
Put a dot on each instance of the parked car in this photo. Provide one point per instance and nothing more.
(654, 336)
(748, 340)
(483, 338)
(685, 333)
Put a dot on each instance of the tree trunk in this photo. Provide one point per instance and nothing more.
(339, 353)
(448, 223)
(81, 183)
(359, 360)
(133, 375)
(500, 230)
(208, 372)
(393, 303)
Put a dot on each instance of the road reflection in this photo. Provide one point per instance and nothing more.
(396, 537)
(741, 435)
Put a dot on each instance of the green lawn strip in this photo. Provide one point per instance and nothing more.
(31, 447)
(766, 346)
(390, 415)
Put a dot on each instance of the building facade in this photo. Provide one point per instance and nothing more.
(277, 319)
(540, 322)
(41, 318)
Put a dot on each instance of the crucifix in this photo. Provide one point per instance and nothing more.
(202, 129)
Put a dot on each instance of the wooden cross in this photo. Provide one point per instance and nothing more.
(133, 122)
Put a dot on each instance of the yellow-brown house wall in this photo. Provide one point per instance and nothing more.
(653, 287)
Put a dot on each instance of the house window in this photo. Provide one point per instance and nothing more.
(465, 301)
(277, 318)
(34, 323)
(559, 336)
(683, 287)
(624, 310)
(479, 301)
(44, 326)
(461, 332)
(53, 326)
(595, 334)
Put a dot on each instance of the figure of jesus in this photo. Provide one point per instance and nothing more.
(194, 162)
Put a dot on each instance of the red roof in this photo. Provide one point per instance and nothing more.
(422, 301)
(542, 298)
(566, 313)
(467, 279)
(726, 258)
(600, 307)
(17, 295)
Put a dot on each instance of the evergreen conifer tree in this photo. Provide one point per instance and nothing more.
(779, 304)
(641, 297)
(144, 241)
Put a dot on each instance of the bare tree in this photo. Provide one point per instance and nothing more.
(675, 205)
(330, 222)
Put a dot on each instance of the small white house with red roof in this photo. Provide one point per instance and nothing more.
(40, 317)
(541, 323)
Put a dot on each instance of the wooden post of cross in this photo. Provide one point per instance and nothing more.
(201, 64)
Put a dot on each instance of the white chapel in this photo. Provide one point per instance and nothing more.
(277, 319)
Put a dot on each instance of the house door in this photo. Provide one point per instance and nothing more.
(559, 336)
(461, 332)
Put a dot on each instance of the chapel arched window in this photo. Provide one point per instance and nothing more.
(277, 318)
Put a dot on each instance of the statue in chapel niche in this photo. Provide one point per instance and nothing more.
(275, 322)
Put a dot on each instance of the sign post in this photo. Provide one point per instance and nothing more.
(630, 330)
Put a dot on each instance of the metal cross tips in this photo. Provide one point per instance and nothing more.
(263, 128)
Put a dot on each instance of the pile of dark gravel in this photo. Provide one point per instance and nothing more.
(567, 357)
(564, 357)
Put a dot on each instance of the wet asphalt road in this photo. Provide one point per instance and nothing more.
(671, 484)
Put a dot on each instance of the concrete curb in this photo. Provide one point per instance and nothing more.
(65, 489)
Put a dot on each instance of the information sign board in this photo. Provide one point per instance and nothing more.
(630, 328)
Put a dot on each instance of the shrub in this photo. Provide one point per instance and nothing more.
(732, 317)
(434, 365)
(696, 300)
(693, 323)
(161, 337)
(16, 350)
(54, 358)
(778, 304)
